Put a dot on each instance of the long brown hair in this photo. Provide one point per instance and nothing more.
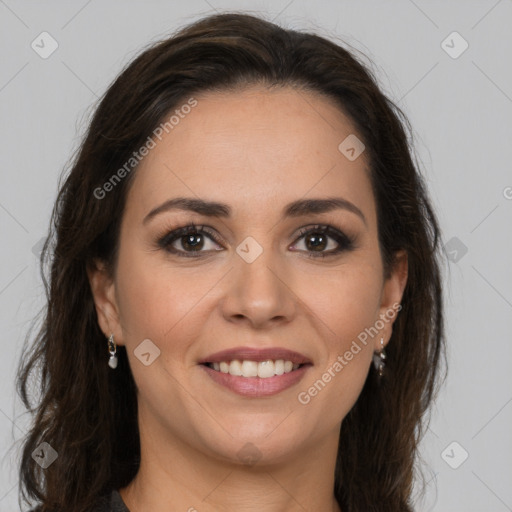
(88, 413)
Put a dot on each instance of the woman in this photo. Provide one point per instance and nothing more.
(244, 300)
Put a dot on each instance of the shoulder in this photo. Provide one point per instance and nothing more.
(111, 503)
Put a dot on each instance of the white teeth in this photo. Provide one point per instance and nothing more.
(235, 368)
(262, 369)
(266, 369)
(249, 369)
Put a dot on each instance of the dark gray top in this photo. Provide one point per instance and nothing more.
(115, 504)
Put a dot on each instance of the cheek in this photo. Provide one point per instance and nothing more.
(150, 300)
(350, 306)
(334, 387)
(349, 302)
(159, 302)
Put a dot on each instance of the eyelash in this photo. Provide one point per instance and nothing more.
(346, 243)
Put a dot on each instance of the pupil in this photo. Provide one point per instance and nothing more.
(318, 241)
(189, 241)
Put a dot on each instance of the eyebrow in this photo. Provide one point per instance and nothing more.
(297, 208)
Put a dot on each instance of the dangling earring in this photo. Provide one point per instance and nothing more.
(379, 359)
(112, 362)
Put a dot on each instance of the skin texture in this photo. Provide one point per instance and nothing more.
(256, 150)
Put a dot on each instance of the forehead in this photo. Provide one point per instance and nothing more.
(256, 149)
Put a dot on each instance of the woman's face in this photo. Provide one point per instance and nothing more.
(251, 281)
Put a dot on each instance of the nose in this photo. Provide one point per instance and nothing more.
(259, 293)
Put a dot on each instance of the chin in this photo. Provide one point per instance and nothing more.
(252, 446)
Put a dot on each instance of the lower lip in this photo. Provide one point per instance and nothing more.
(256, 386)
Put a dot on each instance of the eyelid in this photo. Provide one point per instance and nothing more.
(345, 242)
(176, 233)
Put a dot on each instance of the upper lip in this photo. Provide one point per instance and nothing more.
(256, 354)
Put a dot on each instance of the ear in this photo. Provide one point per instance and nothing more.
(104, 296)
(392, 292)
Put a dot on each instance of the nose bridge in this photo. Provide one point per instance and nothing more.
(258, 289)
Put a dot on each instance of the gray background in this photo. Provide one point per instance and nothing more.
(460, 109)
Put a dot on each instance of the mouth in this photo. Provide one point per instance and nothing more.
(256, 373)
(255, 369)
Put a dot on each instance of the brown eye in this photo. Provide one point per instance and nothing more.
(317, 240)
(192, 241)
(188, 240)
